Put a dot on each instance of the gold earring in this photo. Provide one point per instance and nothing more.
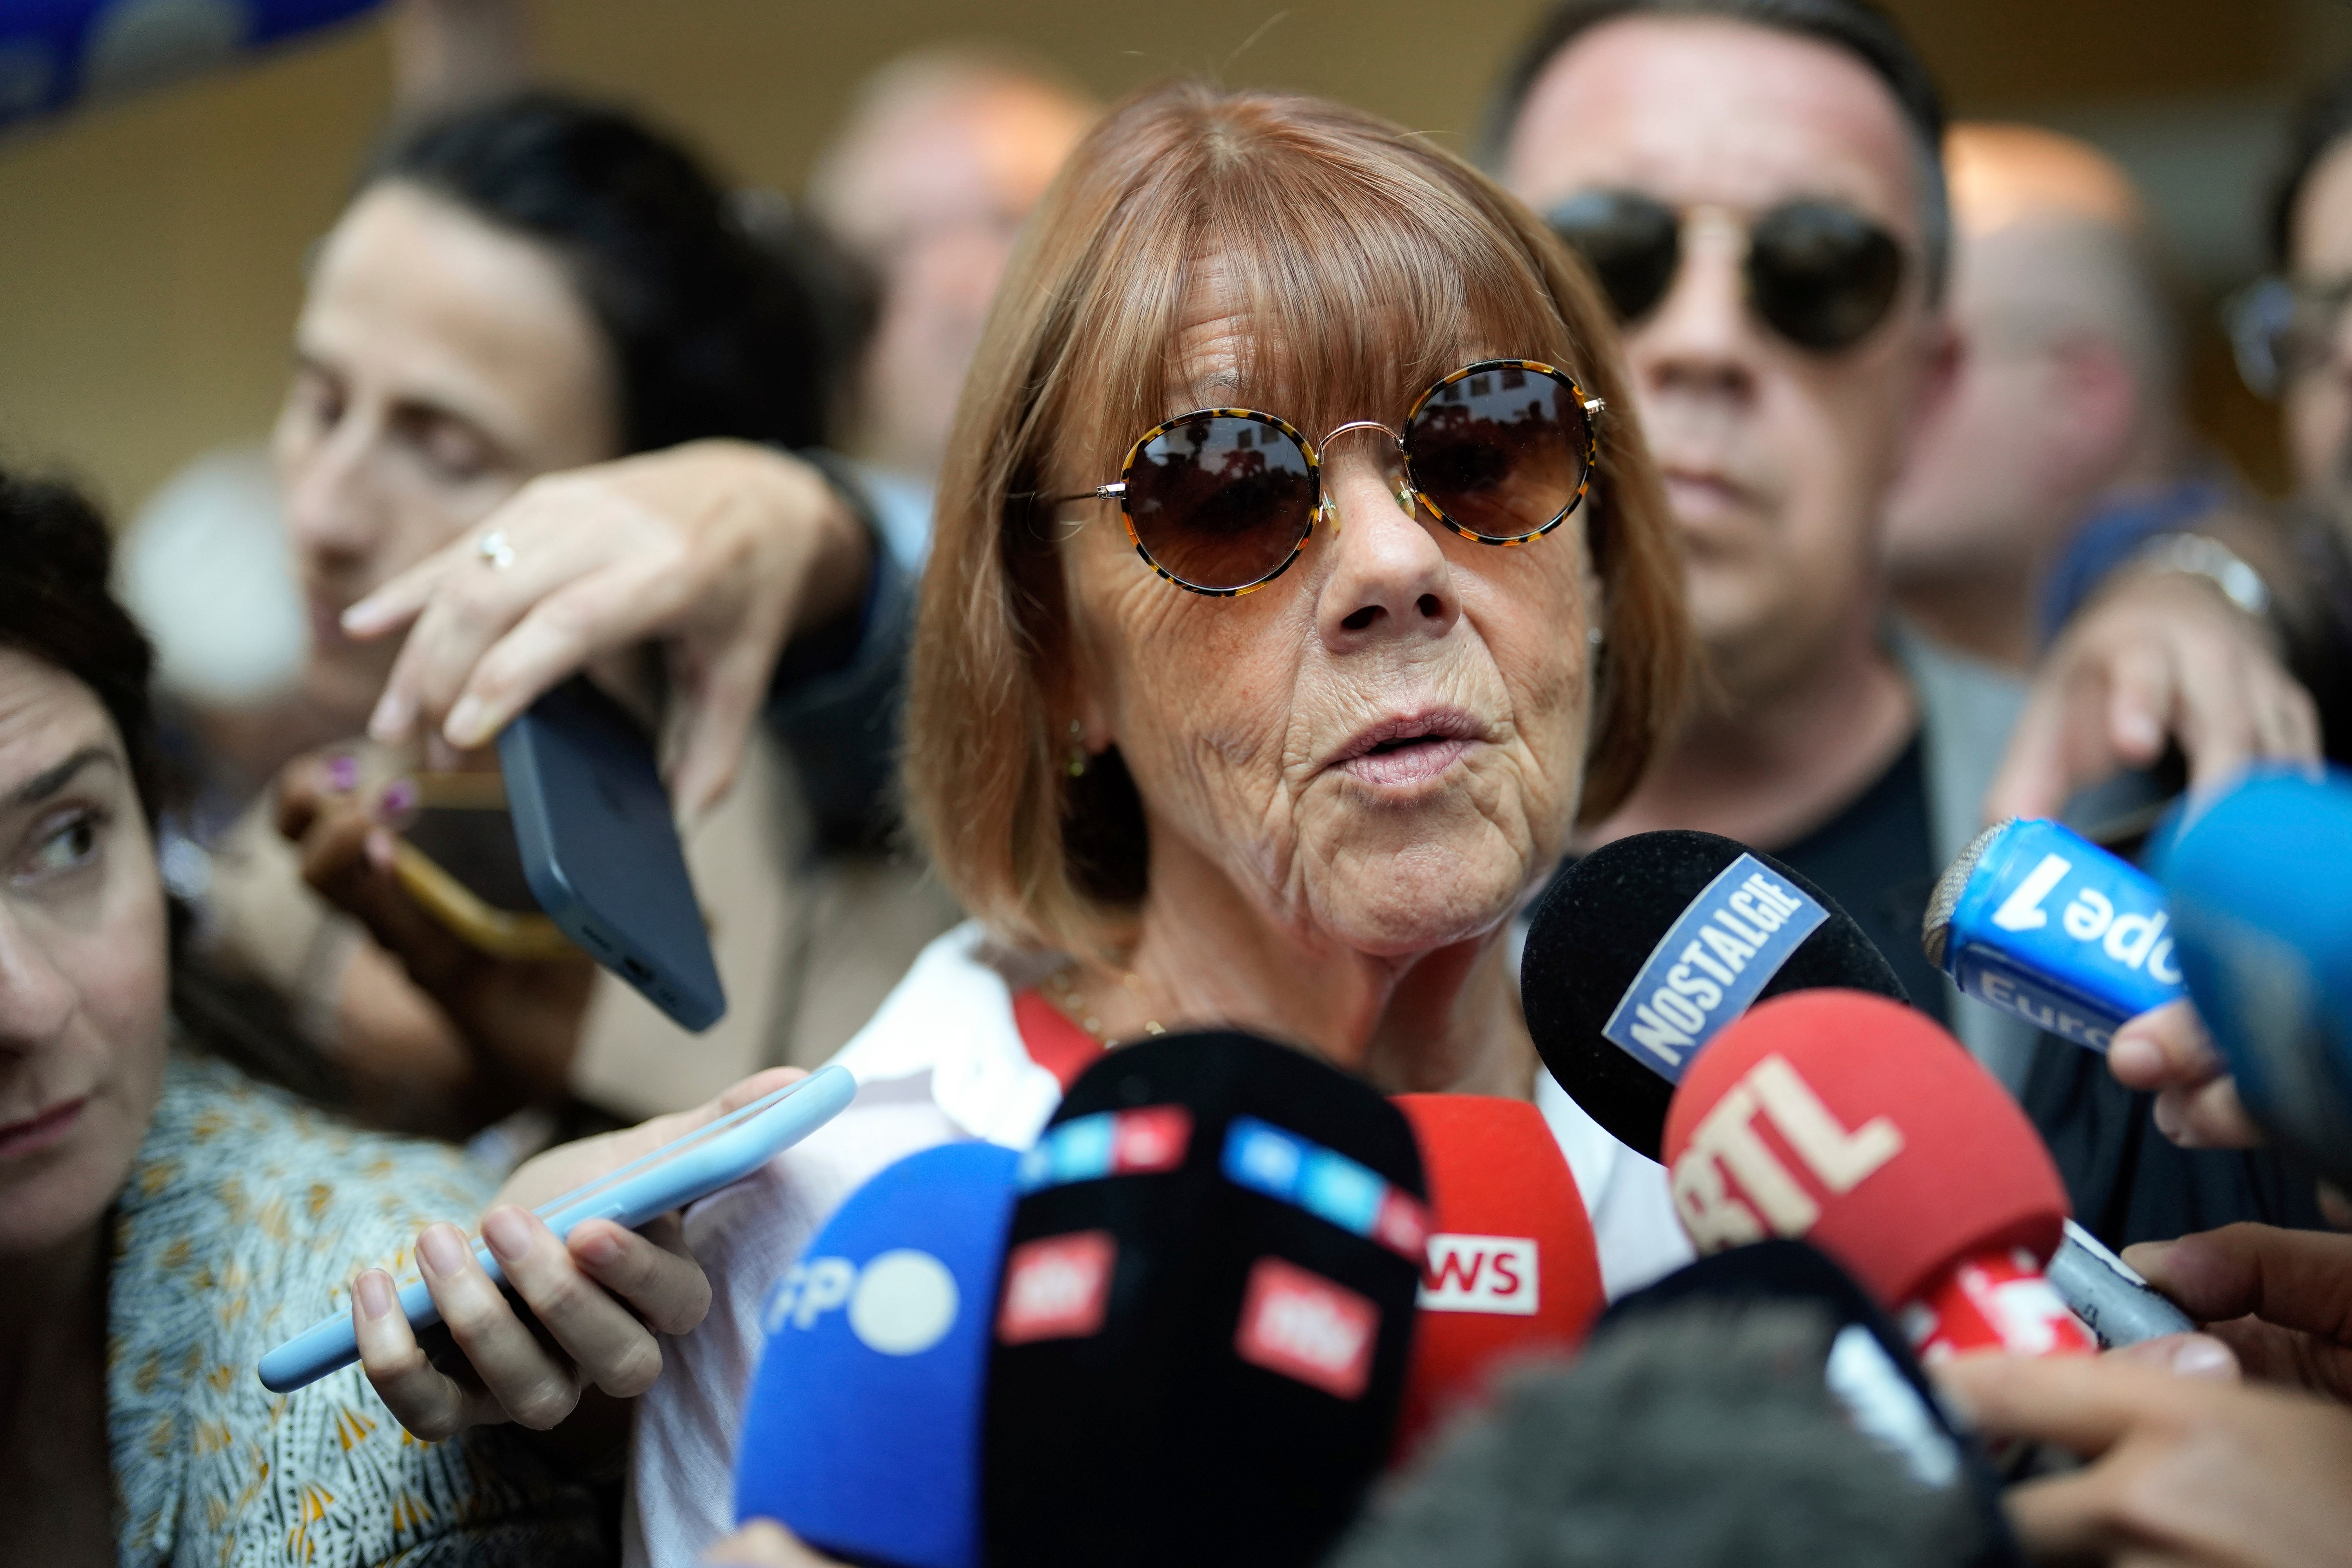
(1077, 763)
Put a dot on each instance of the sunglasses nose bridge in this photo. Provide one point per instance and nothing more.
(1400, 484)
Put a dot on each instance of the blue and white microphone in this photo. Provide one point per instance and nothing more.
(2039, 922)
(2261, 882)
(862, 1434)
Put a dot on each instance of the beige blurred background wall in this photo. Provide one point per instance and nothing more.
(151, 250)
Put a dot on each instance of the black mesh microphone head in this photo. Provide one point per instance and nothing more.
(1756, 1409)
(1596, 931)
(1206, 1311)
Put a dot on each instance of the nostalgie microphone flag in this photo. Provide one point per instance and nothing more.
(1512, 1271)
(2261, 884)
(1646, 948)
(1206, 1312)
(1860, 1125)
(862, 1432)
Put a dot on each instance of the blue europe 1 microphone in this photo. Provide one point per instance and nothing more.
(2260, 883)
(862, 1434)
(2041, 922)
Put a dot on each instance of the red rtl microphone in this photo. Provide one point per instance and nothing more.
(1860, 1125)
(1512, 1268)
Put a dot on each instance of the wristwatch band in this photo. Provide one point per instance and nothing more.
(2201, 555)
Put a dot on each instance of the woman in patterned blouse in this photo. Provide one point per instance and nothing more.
(164, 1218)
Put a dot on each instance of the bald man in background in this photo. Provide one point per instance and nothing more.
(942, 156)
(2063, 452)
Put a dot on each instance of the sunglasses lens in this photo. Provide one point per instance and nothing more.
(1221, 501)
(1630, 242)
(1500, 451)
(1823, 277)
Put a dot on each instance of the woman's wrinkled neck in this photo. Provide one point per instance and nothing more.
(1446, 1020)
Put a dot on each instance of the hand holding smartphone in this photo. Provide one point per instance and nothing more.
(676, 1175)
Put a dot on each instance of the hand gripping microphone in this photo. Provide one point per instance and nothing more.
(2260, 883)
(862, 1434)
(1206, 1312)
(1649, 945)
(1512, 1271)
(2037, 920)
(1860, 1125)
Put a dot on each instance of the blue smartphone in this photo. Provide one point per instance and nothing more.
(599, 848)
(676, 1174)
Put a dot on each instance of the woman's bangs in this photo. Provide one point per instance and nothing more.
(1360, 285)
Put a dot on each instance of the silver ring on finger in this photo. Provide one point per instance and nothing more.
(493, 548)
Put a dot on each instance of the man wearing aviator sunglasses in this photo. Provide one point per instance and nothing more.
(1756, 185)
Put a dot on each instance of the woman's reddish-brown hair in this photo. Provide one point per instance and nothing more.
(1371, 263)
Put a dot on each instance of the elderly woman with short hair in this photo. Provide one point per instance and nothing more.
(1299, 583)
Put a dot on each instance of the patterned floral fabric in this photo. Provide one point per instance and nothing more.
(244, 1218)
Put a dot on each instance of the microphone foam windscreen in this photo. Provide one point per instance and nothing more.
(1753, 1411)
(1862, 1126)
(1648, 946)
(1512, 1269)
(2266, 949)
(1206, 1312)
(862, 1432)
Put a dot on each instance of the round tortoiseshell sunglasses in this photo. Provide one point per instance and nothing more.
(1222, 500)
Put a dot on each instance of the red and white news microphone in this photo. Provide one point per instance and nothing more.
(1512, 1267)
(1860, 1125)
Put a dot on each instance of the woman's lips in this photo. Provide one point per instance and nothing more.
(37, 1133)
(1408, 761)
(1408, 750)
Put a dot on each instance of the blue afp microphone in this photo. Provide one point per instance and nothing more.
(2260, 883)
(862, 1434)
(2039, 922)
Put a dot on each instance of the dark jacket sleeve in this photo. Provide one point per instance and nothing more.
(837, 698)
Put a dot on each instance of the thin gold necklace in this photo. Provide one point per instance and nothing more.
(1062, 985)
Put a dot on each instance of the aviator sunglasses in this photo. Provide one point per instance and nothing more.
(1222, 500)
(1820, 275)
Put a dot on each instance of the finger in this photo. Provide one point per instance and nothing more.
(2289, 719)
(764, 1543)
(419, 1396)
(608, 1346)
(560, 1169)
(471, 611)
(718, 727)
(2144, 694)
(515, 1368)
(2033, 777)
(2218, 722)
(2335, 1207)
(552, 639)
(2208, 1116)
(2164, 1048)
(2183, 1355)
(2294, 1279)
(2083, 1404)
(652, 1273)
(394, 604)
(2066, 1519)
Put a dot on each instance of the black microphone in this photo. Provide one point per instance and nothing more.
(1206, 1311)
(1649, 945)
(1756, 1408)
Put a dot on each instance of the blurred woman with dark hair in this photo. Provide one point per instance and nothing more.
(520, 298)
(164, 1218)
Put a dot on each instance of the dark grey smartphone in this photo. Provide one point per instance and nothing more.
(601, 852)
